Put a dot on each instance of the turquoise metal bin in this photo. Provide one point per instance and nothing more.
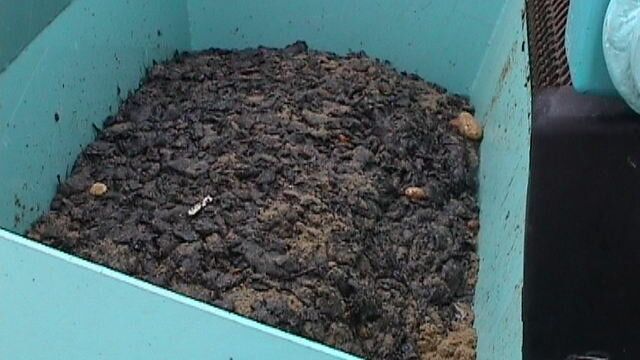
(65, 66)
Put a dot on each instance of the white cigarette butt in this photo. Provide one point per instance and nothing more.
(199, 206)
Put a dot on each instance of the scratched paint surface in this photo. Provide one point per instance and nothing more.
(502, 96)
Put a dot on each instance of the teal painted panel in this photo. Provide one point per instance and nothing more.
(442, 41)
(588, 69)
(65, 82)
(21, 21)
(502, 96)
(55, 306)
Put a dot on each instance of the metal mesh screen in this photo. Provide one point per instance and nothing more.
(547, 20)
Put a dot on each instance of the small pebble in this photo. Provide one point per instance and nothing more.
(467, 126)
(415, 193)
(98, 189)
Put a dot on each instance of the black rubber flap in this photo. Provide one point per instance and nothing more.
(582, 245)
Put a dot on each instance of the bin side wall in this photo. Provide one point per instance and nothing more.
(84, 311)
(74, 68)
(502, 96)
(27, 18)
(443, 41)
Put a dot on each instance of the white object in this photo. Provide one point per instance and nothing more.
(621, 46)
(199, 206)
